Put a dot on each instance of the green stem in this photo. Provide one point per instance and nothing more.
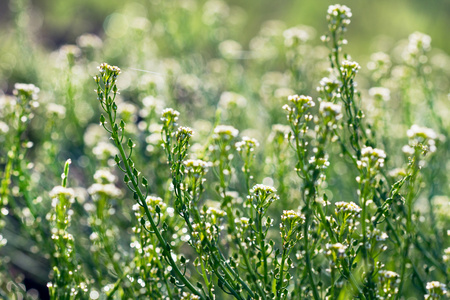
(280, 280)
(250, 270)
(263, 249)
(167, 251)
(409, 229)
(307, 255)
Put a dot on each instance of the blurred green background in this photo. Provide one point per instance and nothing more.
(55, 22)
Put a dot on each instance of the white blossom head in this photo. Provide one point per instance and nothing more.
(380, 93)
(225, 132)
(422, 138)
(27, 91)
(338, 17)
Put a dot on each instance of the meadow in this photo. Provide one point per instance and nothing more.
(174, 156)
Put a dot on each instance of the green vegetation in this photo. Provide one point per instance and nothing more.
(263, 192)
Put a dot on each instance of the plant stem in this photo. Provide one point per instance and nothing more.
(167, 251)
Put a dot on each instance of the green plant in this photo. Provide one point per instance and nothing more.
(327, 205)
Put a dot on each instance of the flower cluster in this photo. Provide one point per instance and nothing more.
(261, 189)
(279, 133)
(215, 213)
(380, 65)
(371, 158)
(225, 132)
(338, 17)
(104, 176)
(292, 216)
(152, 202)
(184, 133)
(380, 93)
(27, 91)
(418, 45)
(297, 108)
(435, 290)
(329, 88)
(349, 69)
(108, 75)
(378, 235)
(330, 113)
(421, 138)
(302, 102)
(247, 144)
(347, 213)
(104, 151)
(170, 117)
(108, 70)
(389, 281)
(262, 196)
(290, 227)
(349, 208)
(66, 193)
(196, 167)
(336, 251)
(108, 190)
(296, 35)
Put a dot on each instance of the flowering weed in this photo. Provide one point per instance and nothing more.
(331, 193)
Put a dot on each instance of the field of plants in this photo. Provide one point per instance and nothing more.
(171, 154)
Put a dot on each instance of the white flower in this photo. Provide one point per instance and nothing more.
(422, 137)
(196, 167)
(330, 110)
(58, 191)
(350, 67)
(338, 248)
(262, 189)
(88, 40)
(435, 289)
(169, 114)
(4, 128)
(380, 93)
(104, 176)
(389, 274)
(349, 207)
(372, 157)
(417, 132)
(57, 110)
(109, 190)
(302, 100)
(294, 35)
(250, 143)
(230, 99)
(230, 49)
(104, 150)
(225, 132)
(27, 90)
(290, 214)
